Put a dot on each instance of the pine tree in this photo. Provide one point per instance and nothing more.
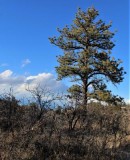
(87, 59)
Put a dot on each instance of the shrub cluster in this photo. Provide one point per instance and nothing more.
(30, 133)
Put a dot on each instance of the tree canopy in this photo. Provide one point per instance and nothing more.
(87, 60)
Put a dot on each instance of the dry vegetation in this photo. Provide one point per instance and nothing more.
(33, 133)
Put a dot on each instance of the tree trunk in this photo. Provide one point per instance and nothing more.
(85, 93)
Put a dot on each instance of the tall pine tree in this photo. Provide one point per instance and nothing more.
(87, 46)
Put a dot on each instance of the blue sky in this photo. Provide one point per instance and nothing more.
(26, 25)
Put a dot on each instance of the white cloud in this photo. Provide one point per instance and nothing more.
(19, 82)
(6, 74)
(127, 101)
(25, 62)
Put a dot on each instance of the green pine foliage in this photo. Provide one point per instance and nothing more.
(87, 46)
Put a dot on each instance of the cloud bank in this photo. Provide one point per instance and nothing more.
(19, 83)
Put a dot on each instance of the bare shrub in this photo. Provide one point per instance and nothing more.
(100, 133)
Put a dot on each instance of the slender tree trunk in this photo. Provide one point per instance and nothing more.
(85, 93)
